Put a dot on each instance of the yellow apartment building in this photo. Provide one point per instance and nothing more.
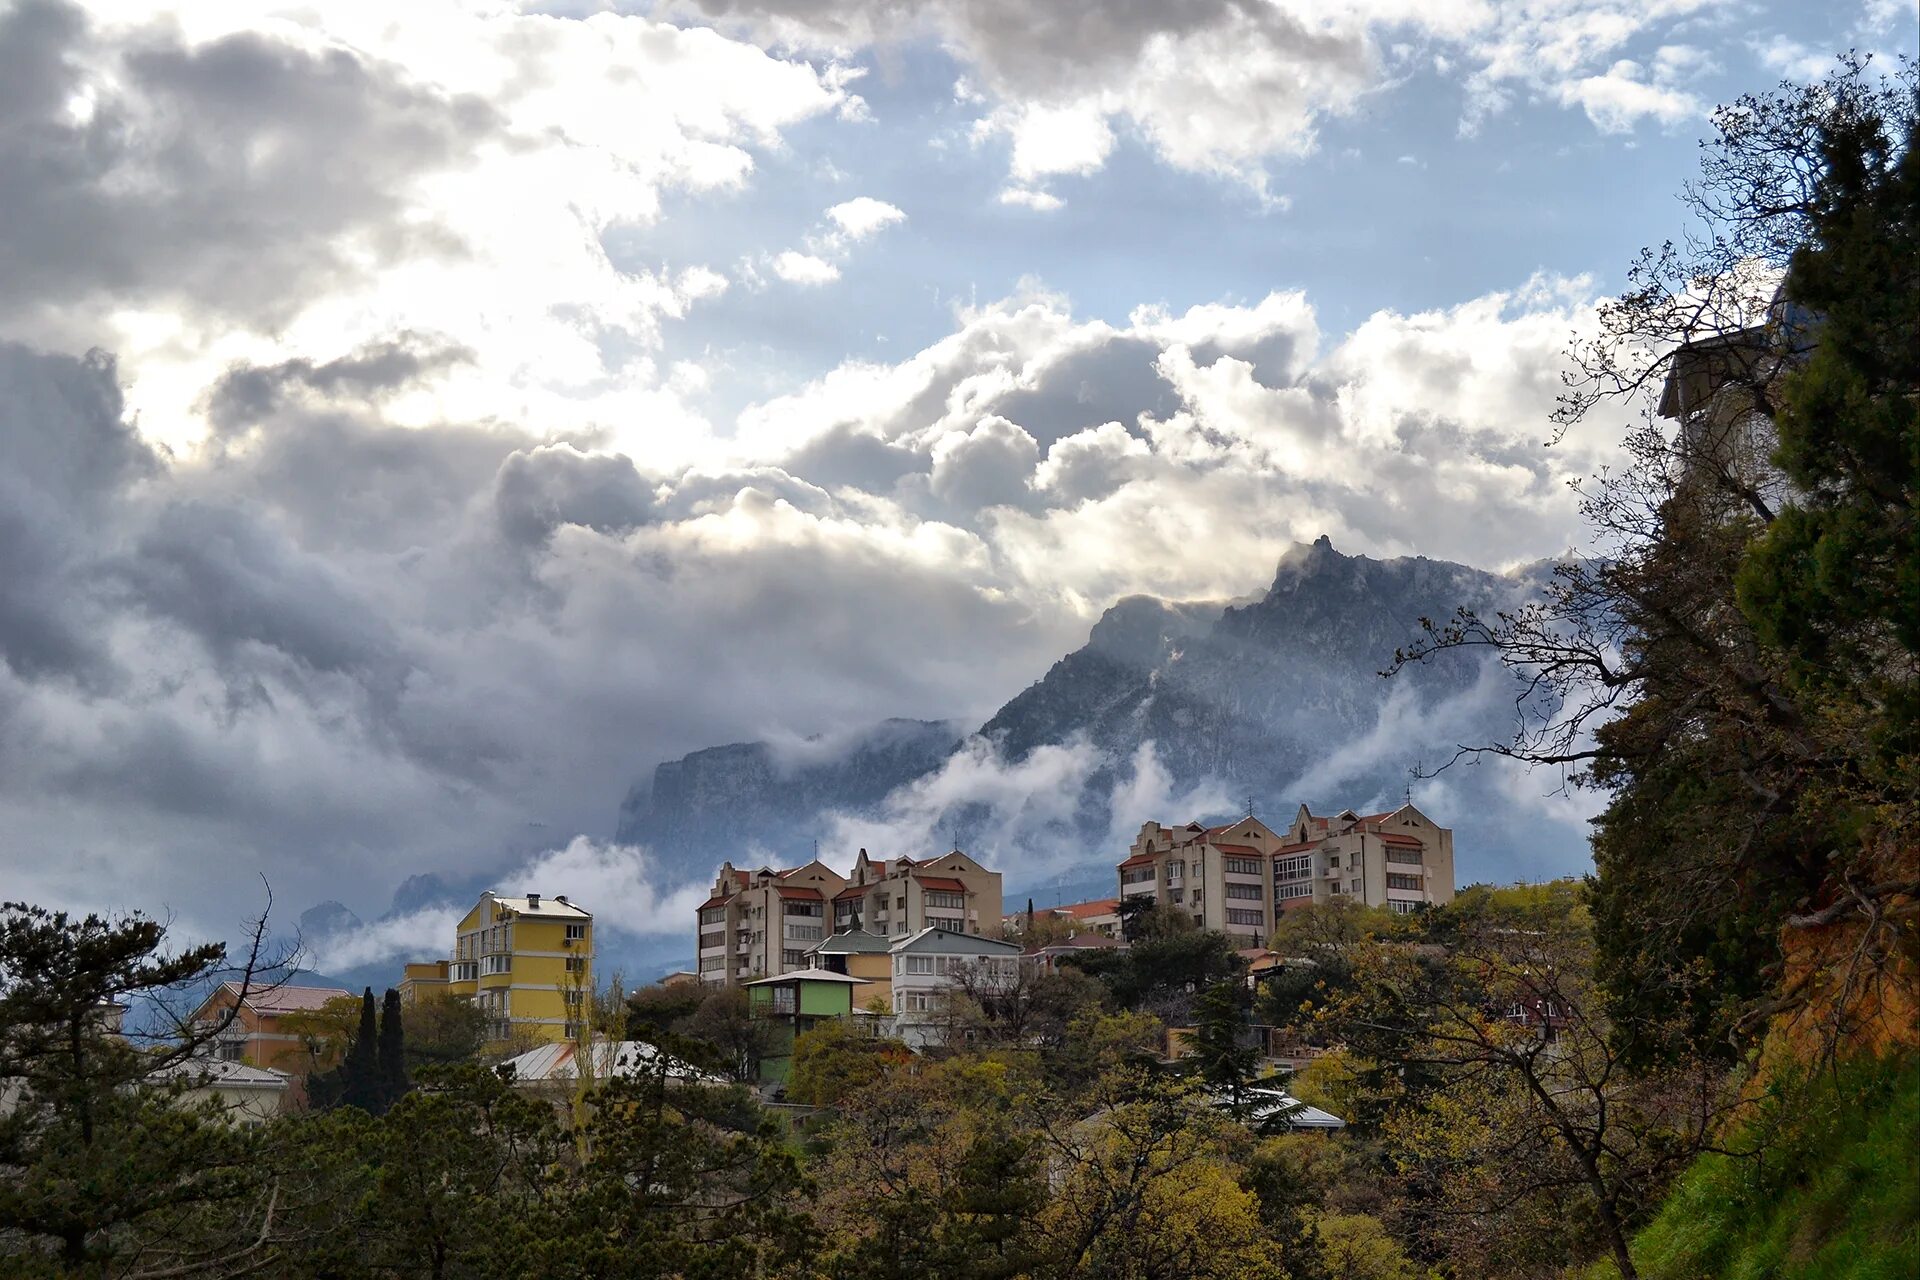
(527, 962)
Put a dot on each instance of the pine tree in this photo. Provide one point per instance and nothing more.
(392, 1065)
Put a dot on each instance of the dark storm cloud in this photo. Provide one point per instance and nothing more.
(68, 453)
(224, 174)
(538, 490)
(247, 393)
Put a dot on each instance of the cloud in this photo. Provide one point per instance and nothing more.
(1226, 88)
(863, 216)
(804, 268)
(831, 242)
(208, 185)
(613, 881)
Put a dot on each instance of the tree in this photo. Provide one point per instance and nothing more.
(1517, 1117)
(391, 1058)
(725, 1021)
(357, 1081)
(832, 1061)
(103, 1168)
(1736, 667)
(443, 1029)
(1146, 1187)
(1218, 1057)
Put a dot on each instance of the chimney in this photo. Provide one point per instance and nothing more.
(533, 902)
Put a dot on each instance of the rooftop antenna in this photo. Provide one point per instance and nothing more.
(1249, 804)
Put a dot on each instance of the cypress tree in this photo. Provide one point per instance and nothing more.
(393, 1051)
(360, 1072)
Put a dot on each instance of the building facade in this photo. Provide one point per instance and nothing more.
(935, 962)
(1240, 877)
(258, 1033)
(795, 1003)
(763, 923)
(527, 963)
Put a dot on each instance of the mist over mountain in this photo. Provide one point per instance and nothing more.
(1172, 710)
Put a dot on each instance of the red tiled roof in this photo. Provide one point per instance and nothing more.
(853, 891)
(717, 900)
(1098, 907)
(790, 891)
(1237, 848)
(941, 884)
(1137, 860)
(1296, 848)
(1388, 837)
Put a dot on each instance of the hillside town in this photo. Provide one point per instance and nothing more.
(1290, 1047)
(892, 948)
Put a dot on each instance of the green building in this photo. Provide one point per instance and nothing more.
(797, 1002)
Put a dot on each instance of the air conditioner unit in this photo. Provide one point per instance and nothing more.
(567, 942)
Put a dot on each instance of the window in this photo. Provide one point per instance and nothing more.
(573, 999)
(713, 964)
(1333, 862)
(576, 932)
(1403, 907)
(573, 1031)
(1353, 886)
(1176, 869)
(950, 901)
(920, 964)
(1139, 875)
(1409, 857)
(497, 964)
(1178, 895)
(1243, 891)
(230, 1050)
(706, 940)
(576, 964)
(793, 959)
(713, 915)
(783, 999)
(1242, 867)
(803, 908)
(804, 932)
(466, 972)
(1246, 917)
(1402, 882)
(1286, 892)
(1293, 868)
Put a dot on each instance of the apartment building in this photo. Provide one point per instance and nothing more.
(258, 1035)
(1239, 877)
(527, 962)
(763, 923)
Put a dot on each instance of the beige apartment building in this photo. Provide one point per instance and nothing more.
(1238, 878)
(761, 924)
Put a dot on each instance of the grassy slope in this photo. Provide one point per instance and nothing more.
(1837, 1197)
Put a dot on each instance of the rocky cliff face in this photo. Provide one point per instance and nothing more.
(753, 802)
(1278, 699)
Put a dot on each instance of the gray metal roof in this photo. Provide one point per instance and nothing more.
(806, 975)
(854, 942)
(937, 941)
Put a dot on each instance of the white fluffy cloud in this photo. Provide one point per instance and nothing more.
(1225, 87)
(442, 168)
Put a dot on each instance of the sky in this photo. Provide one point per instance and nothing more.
(419, 420)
